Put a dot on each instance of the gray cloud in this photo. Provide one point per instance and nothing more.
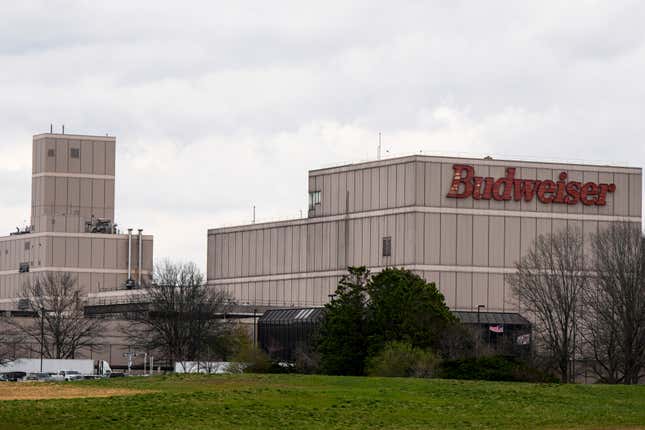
(202, 96)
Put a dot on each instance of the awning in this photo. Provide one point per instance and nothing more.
(292, 316)
(505, 318)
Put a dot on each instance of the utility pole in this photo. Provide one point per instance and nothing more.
(42, 335)
(254, 324)
(479, 307)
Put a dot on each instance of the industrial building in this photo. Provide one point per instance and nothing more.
(462, 223)
(72, 226)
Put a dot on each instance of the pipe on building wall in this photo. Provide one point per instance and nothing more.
(140, 255)
(129, 254)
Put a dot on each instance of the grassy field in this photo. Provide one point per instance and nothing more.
(317, 402)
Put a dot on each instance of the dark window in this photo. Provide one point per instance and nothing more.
(26, 246)
(314, 199)
(51, 153)
(23, 304)
(24, 268)
(74, 152)
(387, 246)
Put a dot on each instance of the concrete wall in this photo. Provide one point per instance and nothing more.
(466, 246)
(68, 190)
(99, 261)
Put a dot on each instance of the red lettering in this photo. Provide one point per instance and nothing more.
(477, 190)
(459, 178)
(602, 195)
(525, 188)
(573, 191)
(465, 184)
(488, 188)
(507, 183)
(545, 187)
(560, 195)
(588, 190)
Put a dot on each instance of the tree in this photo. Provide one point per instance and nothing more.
(343, 333)
(549, 282)
(6, 346)
(60, 326)
(404, 307)
(369, 312)
(615, 304)
(180, 317)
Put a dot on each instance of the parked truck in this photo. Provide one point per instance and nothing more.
(59, 369)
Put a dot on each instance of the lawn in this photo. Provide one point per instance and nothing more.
(320, 402)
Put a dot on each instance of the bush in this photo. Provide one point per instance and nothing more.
(495, 368)
(307, 361)
(251, 359)
(402, 359)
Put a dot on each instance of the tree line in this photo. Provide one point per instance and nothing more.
(175, 316)
(588, 302)
(586, 299)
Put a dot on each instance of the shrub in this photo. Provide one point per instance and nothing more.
(251, 359)
(402, 359)
(307, 361)
(495, 368)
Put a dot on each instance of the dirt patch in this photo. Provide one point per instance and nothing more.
(36, 391)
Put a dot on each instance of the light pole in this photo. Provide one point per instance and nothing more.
(254, 324)
(42, 336)
(479, 307)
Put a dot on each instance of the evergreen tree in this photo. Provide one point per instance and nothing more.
(343, 334)
(403, 307)
(394, 305)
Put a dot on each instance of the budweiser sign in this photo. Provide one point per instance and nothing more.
(465, 184)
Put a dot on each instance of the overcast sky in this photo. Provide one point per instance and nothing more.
(218, 106)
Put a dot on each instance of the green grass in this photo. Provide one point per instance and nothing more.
(198, 402)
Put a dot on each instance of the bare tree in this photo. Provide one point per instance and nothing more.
(6, 349)
(615, 304)
(180, 317)
(59, 326)
(549, 282)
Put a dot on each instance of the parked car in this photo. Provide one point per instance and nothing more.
(15, 376)
(71, 375)
(40, 376)
(2, 378)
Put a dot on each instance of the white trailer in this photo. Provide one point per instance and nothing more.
(58, 366)
(218, 367)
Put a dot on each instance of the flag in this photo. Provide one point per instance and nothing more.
(496, 328)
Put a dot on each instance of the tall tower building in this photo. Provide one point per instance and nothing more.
(73, 226)
(72, 182)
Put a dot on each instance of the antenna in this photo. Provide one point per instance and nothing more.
(378, 151)
(51, 128)
(253, 214)
(63, 128)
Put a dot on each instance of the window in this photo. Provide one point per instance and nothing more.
(51, 153)
(23, 268)
(23, 304)
(26, 246)
(314, 199)
(387, 246)
(74, 152)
